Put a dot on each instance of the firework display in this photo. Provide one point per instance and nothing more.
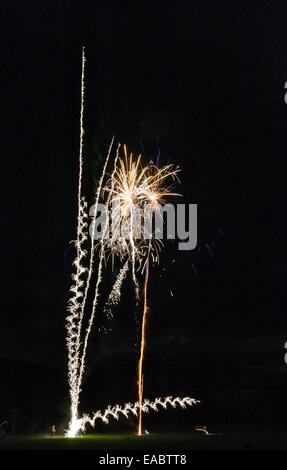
(129, 197)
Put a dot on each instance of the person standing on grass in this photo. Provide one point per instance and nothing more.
(53, 430)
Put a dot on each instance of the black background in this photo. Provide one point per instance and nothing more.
(206, 81)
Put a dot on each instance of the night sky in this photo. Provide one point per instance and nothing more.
(204, 81)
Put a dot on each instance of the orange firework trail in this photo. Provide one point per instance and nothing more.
(140, 374)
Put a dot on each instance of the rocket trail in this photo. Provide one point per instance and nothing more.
(100, 266)
(91, 266)
(73, 326)
(127, 409)
(140, 364)
(80, 287)
(115, 294)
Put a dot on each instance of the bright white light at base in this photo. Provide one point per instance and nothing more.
(74, 428)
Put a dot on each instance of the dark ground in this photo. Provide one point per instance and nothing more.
(195, 441)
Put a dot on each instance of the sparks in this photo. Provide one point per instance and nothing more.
(126, 410)
(115, 294)
(73, 320)
(140, 365)
(131, 186)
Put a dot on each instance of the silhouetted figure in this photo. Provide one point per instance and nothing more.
(3, 429)
(53, 430)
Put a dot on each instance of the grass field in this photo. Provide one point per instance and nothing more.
(192, 441)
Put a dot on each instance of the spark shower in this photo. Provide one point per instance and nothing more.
(129, 184)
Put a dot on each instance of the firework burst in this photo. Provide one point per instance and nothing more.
(133, 191)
